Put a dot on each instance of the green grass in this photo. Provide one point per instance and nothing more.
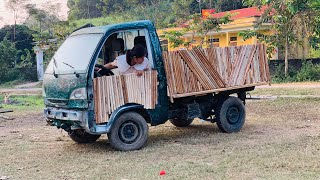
(11, 84)
(23, 103)
(286, 91)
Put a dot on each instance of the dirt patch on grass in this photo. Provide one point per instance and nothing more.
(280, 140)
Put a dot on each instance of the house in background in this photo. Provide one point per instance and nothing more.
(242, 19)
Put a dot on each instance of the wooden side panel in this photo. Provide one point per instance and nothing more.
(111, 92)
(191, 71)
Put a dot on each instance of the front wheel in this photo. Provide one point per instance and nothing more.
(81, 136)
(230, 115)
(129, 132)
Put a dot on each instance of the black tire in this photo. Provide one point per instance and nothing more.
(230, 115)
(129, 132)
(81, 136)
(181, 122)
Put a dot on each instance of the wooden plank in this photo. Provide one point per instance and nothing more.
(97, 109)
(6, 111)
(218, 82)
(169, 75)
(218, 90)
(109, 82)
(249, 62)
(149, 95)
(266, 63)
(197, 68)
(107, 100)
(112, 94)
(215, 77)
(102, 99)
(95, 98)
(124, 89)
(172, 73)
(155, 89)
(196, 56)
(99, 101)
(151, 92)
(177, 72)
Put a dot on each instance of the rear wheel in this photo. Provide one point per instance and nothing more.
(181, 122)
(230, 115)
(129, 132)
(81, 136)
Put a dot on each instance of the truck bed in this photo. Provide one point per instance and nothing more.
(202, 71)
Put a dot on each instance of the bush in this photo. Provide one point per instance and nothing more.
(19, 75)
(279, 77)
(308, 72)
(11, 75)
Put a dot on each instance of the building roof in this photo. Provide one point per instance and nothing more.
(238, 13)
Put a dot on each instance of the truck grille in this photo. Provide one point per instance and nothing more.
(58, 101)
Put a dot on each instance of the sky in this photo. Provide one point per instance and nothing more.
(6, 16)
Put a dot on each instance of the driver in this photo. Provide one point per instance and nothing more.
(134, 61)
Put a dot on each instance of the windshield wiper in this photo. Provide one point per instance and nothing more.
(54, 65)
(68, 65)
(77, 74)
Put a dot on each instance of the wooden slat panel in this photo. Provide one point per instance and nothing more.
(214, 68)
(111, 92)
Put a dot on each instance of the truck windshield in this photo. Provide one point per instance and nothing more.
(74, 54)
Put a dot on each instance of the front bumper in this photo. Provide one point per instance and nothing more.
(63, 114)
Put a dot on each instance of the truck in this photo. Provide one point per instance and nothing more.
(210, 84)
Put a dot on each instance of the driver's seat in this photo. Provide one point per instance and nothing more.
(117, 47)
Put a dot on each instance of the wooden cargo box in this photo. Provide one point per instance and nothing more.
(201, 71)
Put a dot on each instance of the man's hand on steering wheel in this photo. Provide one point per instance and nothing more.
(103, 71)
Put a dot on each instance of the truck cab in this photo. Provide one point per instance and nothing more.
(75, 100)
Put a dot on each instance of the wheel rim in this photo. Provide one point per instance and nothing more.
(129, 132)
(233, 115)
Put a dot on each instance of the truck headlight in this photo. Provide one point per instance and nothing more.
(80, 93)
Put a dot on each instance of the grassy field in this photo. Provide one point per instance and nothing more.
(11, 84)
(280, 140)
(286, 91)
(22, 103)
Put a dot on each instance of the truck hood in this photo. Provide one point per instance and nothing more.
(57, 90)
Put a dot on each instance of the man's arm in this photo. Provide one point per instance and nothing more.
(111, 65)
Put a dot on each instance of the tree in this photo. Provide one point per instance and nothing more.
(8, 55)
(289, 19)
(42, 19)
(181, 9)
(156, 11)
(227, 5)
(23, 38)
(27, 60)
(201, 27)
(15, 6)
(85, 9)
(197, 26)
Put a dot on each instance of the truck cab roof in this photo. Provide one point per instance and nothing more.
(114, 27)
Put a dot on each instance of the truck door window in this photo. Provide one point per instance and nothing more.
(120, 42)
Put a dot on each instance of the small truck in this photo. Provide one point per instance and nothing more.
(209, 84)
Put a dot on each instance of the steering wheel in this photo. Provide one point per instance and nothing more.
(103, 72)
